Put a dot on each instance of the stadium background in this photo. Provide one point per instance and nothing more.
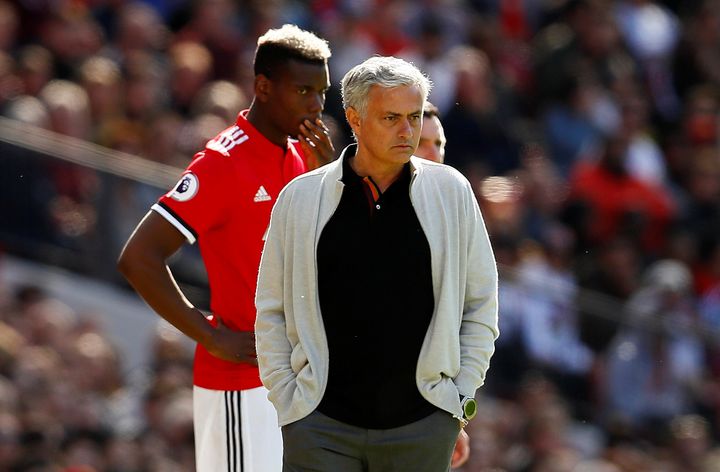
(588, 128)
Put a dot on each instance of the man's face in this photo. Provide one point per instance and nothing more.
(432, 140)
(390, 130)
(297, 94)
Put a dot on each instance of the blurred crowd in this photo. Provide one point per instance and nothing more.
(66, 403)
(588, 128)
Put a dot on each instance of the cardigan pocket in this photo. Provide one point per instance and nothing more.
(298, 358)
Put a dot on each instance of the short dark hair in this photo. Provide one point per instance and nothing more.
(430, 110)
(277, 46)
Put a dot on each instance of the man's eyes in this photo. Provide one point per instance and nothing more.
(412, 118)
(307, 90)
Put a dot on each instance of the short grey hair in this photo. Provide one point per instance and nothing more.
(385, 71)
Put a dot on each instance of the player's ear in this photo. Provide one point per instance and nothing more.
(263, 87)
(353, 118)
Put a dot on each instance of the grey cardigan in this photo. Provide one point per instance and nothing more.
(291, 345)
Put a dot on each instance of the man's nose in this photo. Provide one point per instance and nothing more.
(316, 103)
(406, 129)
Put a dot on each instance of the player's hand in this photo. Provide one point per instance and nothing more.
(316, 144)
(233, 346)
(461, 453)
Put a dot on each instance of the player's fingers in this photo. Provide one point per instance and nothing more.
(321, 142)
(321, 124)
(306, 144)
(314, 136)
(318, 128)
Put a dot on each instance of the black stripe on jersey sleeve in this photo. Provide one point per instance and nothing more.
(180, 220)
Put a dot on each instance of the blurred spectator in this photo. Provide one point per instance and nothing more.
(571, 133)
(585, 42)
(137, 28)
(72, 208)
(700, 215)
(544, 194)
(645, 160)
(69, 107)
(429, 56)
(10, 432)
(651, 33)
(101, 79)
(510, 361)
(696, 129)
(656, 359)
(548, 430)
(700, 123)
(500, 199)
(611, 273)
(691, 443)
(35, 66)
(478, 125)
(550, 326)
(608, 202)
(29, 110)
(697, 60)
(386, 26)
(84, 450)
(10, 83)
(350, 41)
(221, 98)
(72, 35)
(190, 70)
(9, 24)
(146, 93)
(123, 135)
(215, 25)
(124, 455)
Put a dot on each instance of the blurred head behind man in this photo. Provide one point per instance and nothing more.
(432, 137)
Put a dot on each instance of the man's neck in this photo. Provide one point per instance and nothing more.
(383, 174)
(264, 125)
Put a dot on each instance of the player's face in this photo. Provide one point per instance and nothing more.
(390, 130)
(298, 94)
(432, 140)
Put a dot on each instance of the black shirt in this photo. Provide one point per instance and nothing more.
(376, 300)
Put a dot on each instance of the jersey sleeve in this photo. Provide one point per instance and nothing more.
(198, 202)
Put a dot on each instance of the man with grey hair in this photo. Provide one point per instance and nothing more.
(223, 202)
(377, 294)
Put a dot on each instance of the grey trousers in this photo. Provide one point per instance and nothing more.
(318, 443)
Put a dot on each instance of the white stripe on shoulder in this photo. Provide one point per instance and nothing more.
(174, 221)
(228, 139)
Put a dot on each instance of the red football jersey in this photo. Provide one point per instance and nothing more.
(223, 201)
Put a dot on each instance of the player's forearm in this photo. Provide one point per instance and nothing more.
(153, 281)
